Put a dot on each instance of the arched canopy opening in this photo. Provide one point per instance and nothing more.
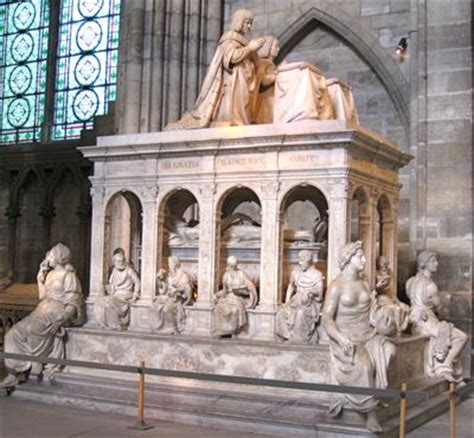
(305, 220)
(123, 229)
(239, 231)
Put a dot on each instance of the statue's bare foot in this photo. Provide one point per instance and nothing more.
(372, 423)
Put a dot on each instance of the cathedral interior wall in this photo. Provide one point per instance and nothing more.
(424, 104)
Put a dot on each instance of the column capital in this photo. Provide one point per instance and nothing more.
(208, 191)
(270, 190)
(340, 189)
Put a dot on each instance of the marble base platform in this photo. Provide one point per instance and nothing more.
(276, 411)
(234, 357)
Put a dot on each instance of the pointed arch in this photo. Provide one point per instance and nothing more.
(305, 19)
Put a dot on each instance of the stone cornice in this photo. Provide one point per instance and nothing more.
(249, 139)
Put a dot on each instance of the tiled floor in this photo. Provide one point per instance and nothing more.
(19, 418)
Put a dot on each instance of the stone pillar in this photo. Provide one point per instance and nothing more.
(390, 239)
(97, 263)
(208, 246)
(200, 320)
(149, 245)
(129, 83)
(83, 257)
(269, 277)
(338, 234)
(370, 238)
(47, 214)
(12, 214)
(168, 45)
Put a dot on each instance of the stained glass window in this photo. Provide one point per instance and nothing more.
(86, 64)
(23, 68)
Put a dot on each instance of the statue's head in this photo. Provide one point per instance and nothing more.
(232, 262)
(270, 48)
(427, 260)
(305, 259)
(352, 253)
(381, 263)
(59, 254)
(174, 262)
(242, 21)
(119, 260)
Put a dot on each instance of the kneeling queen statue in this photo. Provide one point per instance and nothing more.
(42, 332)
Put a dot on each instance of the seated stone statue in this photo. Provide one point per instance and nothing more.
(42, 332)
(266, 75)
(297, 319)
(229, 90)
(174, 290)
(360, 354)
(112, 311)
(398, 311)
(443, 358)
(238, 294)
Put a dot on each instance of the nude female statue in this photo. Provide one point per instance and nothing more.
(42, 332)
(446, 341)
(360, 354)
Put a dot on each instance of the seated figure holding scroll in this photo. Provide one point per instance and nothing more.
(227, 96)
(174, 291)
(112, 310)
(446, 341)
(360, 350)
(238, 294)
(297, 319)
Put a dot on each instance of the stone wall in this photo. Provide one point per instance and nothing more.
(441, 187)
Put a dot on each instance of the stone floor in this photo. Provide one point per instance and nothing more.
(19, 418)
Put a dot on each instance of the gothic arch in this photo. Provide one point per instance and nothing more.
(304, 20)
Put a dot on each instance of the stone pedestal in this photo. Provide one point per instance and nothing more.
(272, 161)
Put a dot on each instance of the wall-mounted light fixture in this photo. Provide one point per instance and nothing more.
(401, 50)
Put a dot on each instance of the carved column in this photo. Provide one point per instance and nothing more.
(84, 213)
(390, 227)
(338, 234)
(149, 245)
(47, 214)
(208, 246)
(270, 246)
(370, 241)
(12, 214)
(129, 84)
(168, 45)
(97, 274)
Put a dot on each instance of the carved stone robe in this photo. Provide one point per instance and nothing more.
(229, 90)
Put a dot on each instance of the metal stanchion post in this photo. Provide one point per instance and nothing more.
(452, 410)
(403, 409)
(141, 424)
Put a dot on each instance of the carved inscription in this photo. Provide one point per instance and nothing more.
(244, 162)
(180, 165)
